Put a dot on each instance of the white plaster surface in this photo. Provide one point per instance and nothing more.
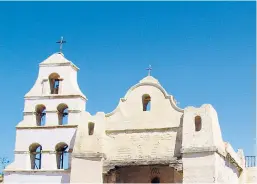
(199, 168)
(47, 138)
(86, 171)
(251, 175)
(66, 71)
(37, 177)
(226, 172)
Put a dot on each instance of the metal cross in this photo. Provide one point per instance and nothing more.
(149, 70)
(61, 42)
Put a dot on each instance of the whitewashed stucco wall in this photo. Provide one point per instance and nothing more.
(37, 177)
(47, 138)
(86, 170)
(56, 63)
(199, 167)
(134, 134)
(251, 175)
(226, 172)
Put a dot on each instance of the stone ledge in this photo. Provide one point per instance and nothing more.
(172, 162)
(43, 152)
(37, 170)
(88, 155)
(198, 149)
(212, 149)
(168, 129)
(54, 96)
(46, 127)
(59, 64)
(150, 161)
(53, 111)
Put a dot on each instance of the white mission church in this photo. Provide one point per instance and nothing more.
(146, 139)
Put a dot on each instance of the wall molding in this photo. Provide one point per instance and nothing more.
(51, 111)
(52, 171)
(212, 149)
(171, 162)
(47, 127)
(88, 155)
(43, 152)
(54, 96)
(148, 130)
(198, 149)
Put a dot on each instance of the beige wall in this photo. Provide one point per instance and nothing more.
(86, 170)
(251, 175)
(226, 171)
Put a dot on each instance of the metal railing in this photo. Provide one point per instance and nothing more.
(250, 161)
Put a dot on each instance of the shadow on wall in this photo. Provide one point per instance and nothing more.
(65, 179)
(178, 144)
(231, 166)
(72, 142)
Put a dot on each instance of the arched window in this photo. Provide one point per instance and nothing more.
(35, 155)
(54, 80)
(91, 127)
(40, 114)
(155, 180)
(198, 123)
(62, 156)
(63, 113)
(146, 101)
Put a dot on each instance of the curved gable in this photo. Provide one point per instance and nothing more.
(130, 110)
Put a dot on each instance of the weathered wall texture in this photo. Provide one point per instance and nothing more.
(134, 134)
(141, 146)
(143, 174)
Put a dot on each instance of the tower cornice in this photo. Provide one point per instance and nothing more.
(52, 96)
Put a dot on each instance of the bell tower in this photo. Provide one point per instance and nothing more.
(55, 99)
(52, 112)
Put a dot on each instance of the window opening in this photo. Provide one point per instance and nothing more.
(62, 156)
(35, 156)
(63, 113)
(198, 123)
(91, 127)
(54, 80)
(146, 100)
(40, 115)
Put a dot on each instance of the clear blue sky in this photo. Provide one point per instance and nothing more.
(201, 52)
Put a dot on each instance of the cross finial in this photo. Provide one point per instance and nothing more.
(149, 70)
(62, 41)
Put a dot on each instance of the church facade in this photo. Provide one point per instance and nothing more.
(146, 139)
